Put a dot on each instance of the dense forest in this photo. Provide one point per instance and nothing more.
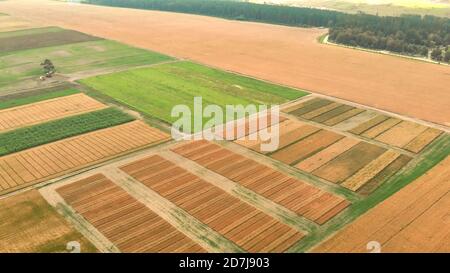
(408, 34)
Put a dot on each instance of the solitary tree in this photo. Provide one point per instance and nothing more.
(48, 66)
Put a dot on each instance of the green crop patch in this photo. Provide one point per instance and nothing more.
(156, 90)
(21, 69)
(40, 37)
(28, 137)
(9, 103)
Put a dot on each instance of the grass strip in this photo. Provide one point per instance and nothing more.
(36, 98)
(32, 136)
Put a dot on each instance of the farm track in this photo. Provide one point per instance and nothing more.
(129, 224)
(55, 159)
(237, 221)
(48, 110)
(291, 193)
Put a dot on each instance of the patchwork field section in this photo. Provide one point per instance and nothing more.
(305, 200)
(51, 160)
(354, 164)
(369, 124)
(40, 37)
(20, 69)
(247, 227)
(29, 224)
(415, 219)
(126, 222)
(155, 90)
(39, 112)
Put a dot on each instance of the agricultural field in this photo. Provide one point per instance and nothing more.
(368, 124)
(414, 219)
(129, 224)
(9, 23)
(71, 53)
(155, 90)
(40, 37)
(247, 227)
(285, 55)
(303, 199)
(47, 110)
(29, 224)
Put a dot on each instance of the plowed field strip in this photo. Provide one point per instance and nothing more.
(50, 160)
(381, 128)
(401, 134)
(306, 147)
(349, 162)
(368, 124)
(421, 141)
(342, 117)
(136, 230)
(267, 182)
(39, 112)
(220, 211)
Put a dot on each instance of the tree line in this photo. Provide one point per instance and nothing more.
(407, 34)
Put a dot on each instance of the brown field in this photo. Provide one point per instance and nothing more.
(29, 224)
(415, 219)
(324, 156)
(270, 52)
(127, 223)
(382, 176)
(344, 116)
(401, 134)
(422, 140)
(52, 109)
(247, 227)
(349, 162)
(8, 23)
(305, 200)
(29, 41)
(369, 171)
(381, 128)
(51, 160)
(378, 119)
(306, 147)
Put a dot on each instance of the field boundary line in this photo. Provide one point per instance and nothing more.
(177, 217)
(78, 222)
(248, 196)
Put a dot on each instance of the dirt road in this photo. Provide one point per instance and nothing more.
(285, 55)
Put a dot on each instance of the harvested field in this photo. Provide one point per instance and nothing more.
(270, 52)
(421, 141)
(9, 23)
(55, 159)
(344, 116)
(369, 171)
(326, 155)
(127, 223)
(52, 109)
(306, 147)
(29, 224)
(381, 128)
(333, 113)
(349, 162)
(415, 219)
(289, 130)
(297, 196)
(23, 99)
(385, 174)
(247, 227)
(378, 119)
(23, 39)
(401, 134)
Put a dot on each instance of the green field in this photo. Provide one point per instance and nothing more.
(28, 137)
(14, 102)
(21, 69)
(155, 90)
